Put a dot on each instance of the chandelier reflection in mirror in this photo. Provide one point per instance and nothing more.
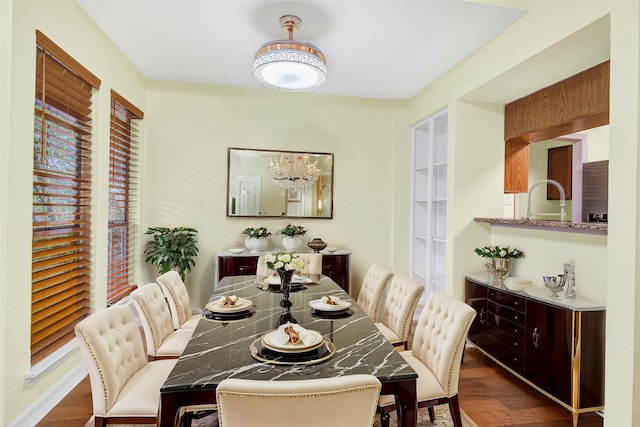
(293, 170)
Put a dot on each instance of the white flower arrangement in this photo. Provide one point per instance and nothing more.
(285, 261)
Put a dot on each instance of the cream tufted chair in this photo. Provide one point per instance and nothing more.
(435, 354)
(373, 286)
(178, 299)
(162, 341)
(313, 265)
(125, 388)
(403, 294)
(341, 401)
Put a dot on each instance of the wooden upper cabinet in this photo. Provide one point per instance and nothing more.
(577, 103)
(560, 169)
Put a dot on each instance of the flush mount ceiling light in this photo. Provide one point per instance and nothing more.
(289, 65)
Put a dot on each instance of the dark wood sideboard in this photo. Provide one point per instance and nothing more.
(559, 350)
(334, 265)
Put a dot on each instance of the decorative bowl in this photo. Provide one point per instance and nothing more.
(236, 250)
(517, 283)
(554, 283)
(331, 249)
(317, 244)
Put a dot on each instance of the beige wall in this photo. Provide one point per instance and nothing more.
(67, 25)
(188, 131)
(516, 63)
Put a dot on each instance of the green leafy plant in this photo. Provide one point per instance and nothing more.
(172, 248)
(293, 230)
(499, 252)
(258, 232)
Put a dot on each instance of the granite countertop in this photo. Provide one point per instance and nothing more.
(578, 227)
(542, 294)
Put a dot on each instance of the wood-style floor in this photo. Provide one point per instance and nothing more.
(490, 395)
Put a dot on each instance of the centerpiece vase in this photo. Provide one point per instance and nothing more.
(285, 285)
(500, 268)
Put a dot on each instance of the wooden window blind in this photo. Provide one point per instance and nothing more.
(123, 196)
(61, 247)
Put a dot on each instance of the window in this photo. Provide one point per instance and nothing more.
(123, 196)
(61, 265)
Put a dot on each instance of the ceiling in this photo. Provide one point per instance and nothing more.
(389, 49)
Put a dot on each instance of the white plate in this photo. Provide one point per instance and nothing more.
(316, 342)
(517, 283)
(317, 304)
(241, 305)
(236, 250)
(331, 249)
(275, 280)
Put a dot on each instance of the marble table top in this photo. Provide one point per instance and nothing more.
(221, 350)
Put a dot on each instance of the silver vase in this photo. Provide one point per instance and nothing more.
(500, 268)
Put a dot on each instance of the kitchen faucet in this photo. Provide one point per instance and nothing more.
(562, 214)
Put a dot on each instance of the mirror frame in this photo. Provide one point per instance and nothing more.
(278, 153)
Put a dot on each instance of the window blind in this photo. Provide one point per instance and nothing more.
(123, 196)
(61, 246)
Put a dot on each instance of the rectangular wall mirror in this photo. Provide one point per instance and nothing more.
(263, 183)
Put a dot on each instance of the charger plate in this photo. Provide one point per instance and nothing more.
(331, 315)
(227, 317)
(241, 305)
(318, 355)
(268, 342)
(295, 287)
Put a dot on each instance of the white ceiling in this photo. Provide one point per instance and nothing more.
(376, 49)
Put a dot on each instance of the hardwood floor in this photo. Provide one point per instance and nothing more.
(490, 395)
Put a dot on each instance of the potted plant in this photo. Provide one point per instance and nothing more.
(172, 249)
(291, 240)
(256, 239)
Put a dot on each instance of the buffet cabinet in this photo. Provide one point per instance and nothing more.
(334, 265)
(558, 350)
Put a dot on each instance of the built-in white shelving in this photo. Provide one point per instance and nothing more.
(429, 203)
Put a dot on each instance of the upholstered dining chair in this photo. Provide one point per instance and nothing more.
(372, 288)
(125, 387)
(435, 354)
(402, 296)
(178, 299)
(349, 400)
(163, 342)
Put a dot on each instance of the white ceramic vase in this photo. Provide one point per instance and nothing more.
(291, 244)
(256, 244)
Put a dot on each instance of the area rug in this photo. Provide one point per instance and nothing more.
(443, 419)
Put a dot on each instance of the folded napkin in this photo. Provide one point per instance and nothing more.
(292, 333)
(229, 301)
(330, 300)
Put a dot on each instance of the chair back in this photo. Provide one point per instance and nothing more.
(403, 295)
(312, 263)
(440, 337)
(349, 400)
(113, 352)
(261, 267)
(149, 302)
(372, 288)
(177, 296)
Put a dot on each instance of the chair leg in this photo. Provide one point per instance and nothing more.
(454, 409)
(432, 414)
(384, 419)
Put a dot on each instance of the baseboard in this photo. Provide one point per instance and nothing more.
(40, 408)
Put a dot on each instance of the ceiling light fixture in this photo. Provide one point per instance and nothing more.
(294, 170)
(289, 65)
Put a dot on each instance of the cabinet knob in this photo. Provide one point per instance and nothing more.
(515, 317)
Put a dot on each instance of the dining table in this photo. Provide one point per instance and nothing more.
(233, 346)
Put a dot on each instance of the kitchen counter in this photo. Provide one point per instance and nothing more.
(566, 226)
(543, 294)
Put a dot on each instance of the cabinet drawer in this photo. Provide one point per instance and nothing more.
(505, 354)
(512, 329)
(505, 312)
(499, 334)
(509, 300)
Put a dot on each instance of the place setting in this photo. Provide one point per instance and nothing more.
(273, 283)
(292, 344)
(331, 307)
(228, 308)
